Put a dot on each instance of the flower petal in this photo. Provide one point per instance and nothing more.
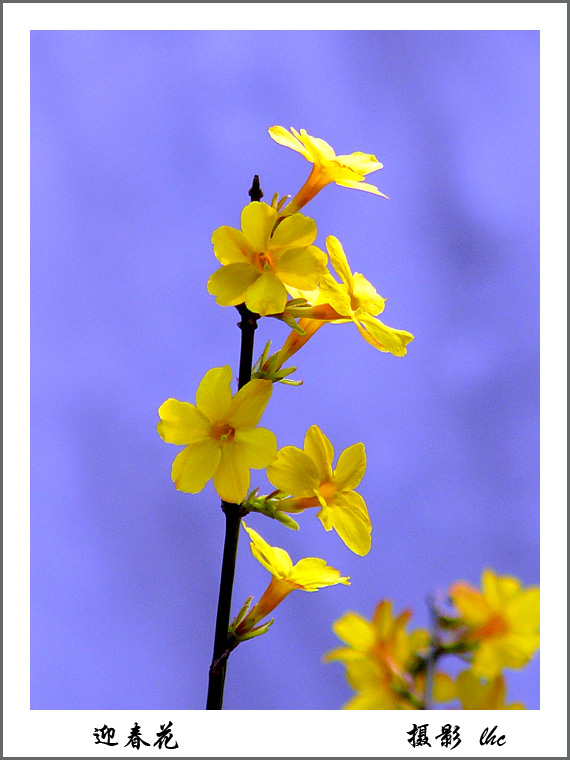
(283, 137)
(335, 295)
(487, 661)
(362, 163)
(230, 283)
(360, 186)
(342, 654)
(364, 675)
(182, 423)
(498, 589)
(326, 514)
(231, 246)
(195, 465)
(319, 150)
(320, 449)
(523, 611)
(366, 296)
(248, 404)
(274, 559)
(350, 467)
(257, 220)
(231, 478)
(267, 295)
(339, 260)
(258, 447)
(381, 698)
(383, 620)
(352, 523)
(295, 231)
(443, 688)
(513, 650)
(313, 573)
(355, 631)
(381, 336)
(472, 607)
(300, 268)
(293, 472)
(214, 394)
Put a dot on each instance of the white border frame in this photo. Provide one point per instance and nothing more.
(54, 733)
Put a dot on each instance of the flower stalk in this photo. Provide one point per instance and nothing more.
(233, 514)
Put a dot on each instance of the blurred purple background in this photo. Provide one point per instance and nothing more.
(142, 144)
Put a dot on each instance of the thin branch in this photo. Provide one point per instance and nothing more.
(233, 514)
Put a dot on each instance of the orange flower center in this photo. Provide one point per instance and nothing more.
(263, 261)
(327, 490)
(495, 626)
(222, 432)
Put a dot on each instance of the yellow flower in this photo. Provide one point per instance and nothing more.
(353, 300)
(383, 639)
(308, 477)
(502, 622)
(475, 694)
(220, 435)
(379, 657)
(258, 265)
(348, 171)
(377, 689)
(309, 574)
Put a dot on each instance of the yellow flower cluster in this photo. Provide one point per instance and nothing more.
(270, 266)
(380, 659)
(496, 628)
(273, 256)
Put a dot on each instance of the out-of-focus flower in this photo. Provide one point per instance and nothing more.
(307, 476)
(309, 574)
(258, 265)
(348, 171)
(380, 659)
(377, 689)
(220, 435)
(475, 694)
(384, 638)
(502, 622)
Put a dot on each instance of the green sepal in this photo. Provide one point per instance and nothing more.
(259, 631)
(269, 506)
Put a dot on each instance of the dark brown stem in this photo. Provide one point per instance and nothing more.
(233, 513)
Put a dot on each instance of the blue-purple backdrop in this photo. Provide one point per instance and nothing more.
(142, 144)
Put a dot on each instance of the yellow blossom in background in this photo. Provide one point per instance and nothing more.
(257, 266)
(377, 689)
(348, 171)
(379, 657)
(307, 476)
(220, 435)
(475, 694)
(383, 638)
(309, 574)
(502, 622)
